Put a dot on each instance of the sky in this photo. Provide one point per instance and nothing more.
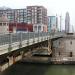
(59, 7)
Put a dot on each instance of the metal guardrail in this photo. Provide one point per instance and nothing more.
(18, 37)
(13, 41)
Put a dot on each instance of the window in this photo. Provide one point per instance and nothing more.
(4, 24)
(59, 42)
(39, 28)
(71, 42)
(0, 24)
(59, 53)
(71, 54)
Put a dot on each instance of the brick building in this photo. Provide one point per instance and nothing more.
(20, 27)
(37, 15)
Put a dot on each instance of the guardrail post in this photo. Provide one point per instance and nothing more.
(28, 37)
(50, 35)
(10, 42)
(47, 35)
(33, 37)
(38, 35)
(41, 36)
(20, 40)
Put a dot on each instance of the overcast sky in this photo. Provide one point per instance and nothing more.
(53, 6)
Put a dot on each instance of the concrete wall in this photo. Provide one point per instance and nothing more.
(70, 46)
(64, 47)
(11, 61)
(3, 67)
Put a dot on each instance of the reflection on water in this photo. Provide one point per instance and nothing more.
(39, 69)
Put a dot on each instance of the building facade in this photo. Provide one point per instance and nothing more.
(37, 15)
(52, 23)
(15, 15)
(67, 23)
(64, 49)
(20, 27)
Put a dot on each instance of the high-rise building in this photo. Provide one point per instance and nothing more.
(37, 15)
(52, 23)
(67, 23)
(15, 15)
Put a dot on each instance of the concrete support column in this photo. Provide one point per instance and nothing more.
(20, 40)
(33, 37)
(17, 58)
(38, 35)
(14, 59)
(0, 68)
(22, 54)
(10, 42)
(10, 60)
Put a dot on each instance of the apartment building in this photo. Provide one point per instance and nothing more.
(15, 15)
(37, 15)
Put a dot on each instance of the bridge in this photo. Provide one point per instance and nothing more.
(14, 41)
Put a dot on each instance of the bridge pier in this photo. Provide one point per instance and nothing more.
(3, 63)
(14, 58)
(3, 66)
(9, 60)
(21, 53)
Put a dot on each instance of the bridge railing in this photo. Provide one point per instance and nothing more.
(16, 37)
(14, 41)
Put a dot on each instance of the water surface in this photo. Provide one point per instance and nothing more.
(39, 69)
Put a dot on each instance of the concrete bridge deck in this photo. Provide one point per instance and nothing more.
(15, 44)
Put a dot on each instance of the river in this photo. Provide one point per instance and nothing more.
(39, 69)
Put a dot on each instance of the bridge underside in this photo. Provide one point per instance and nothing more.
(40, 49)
